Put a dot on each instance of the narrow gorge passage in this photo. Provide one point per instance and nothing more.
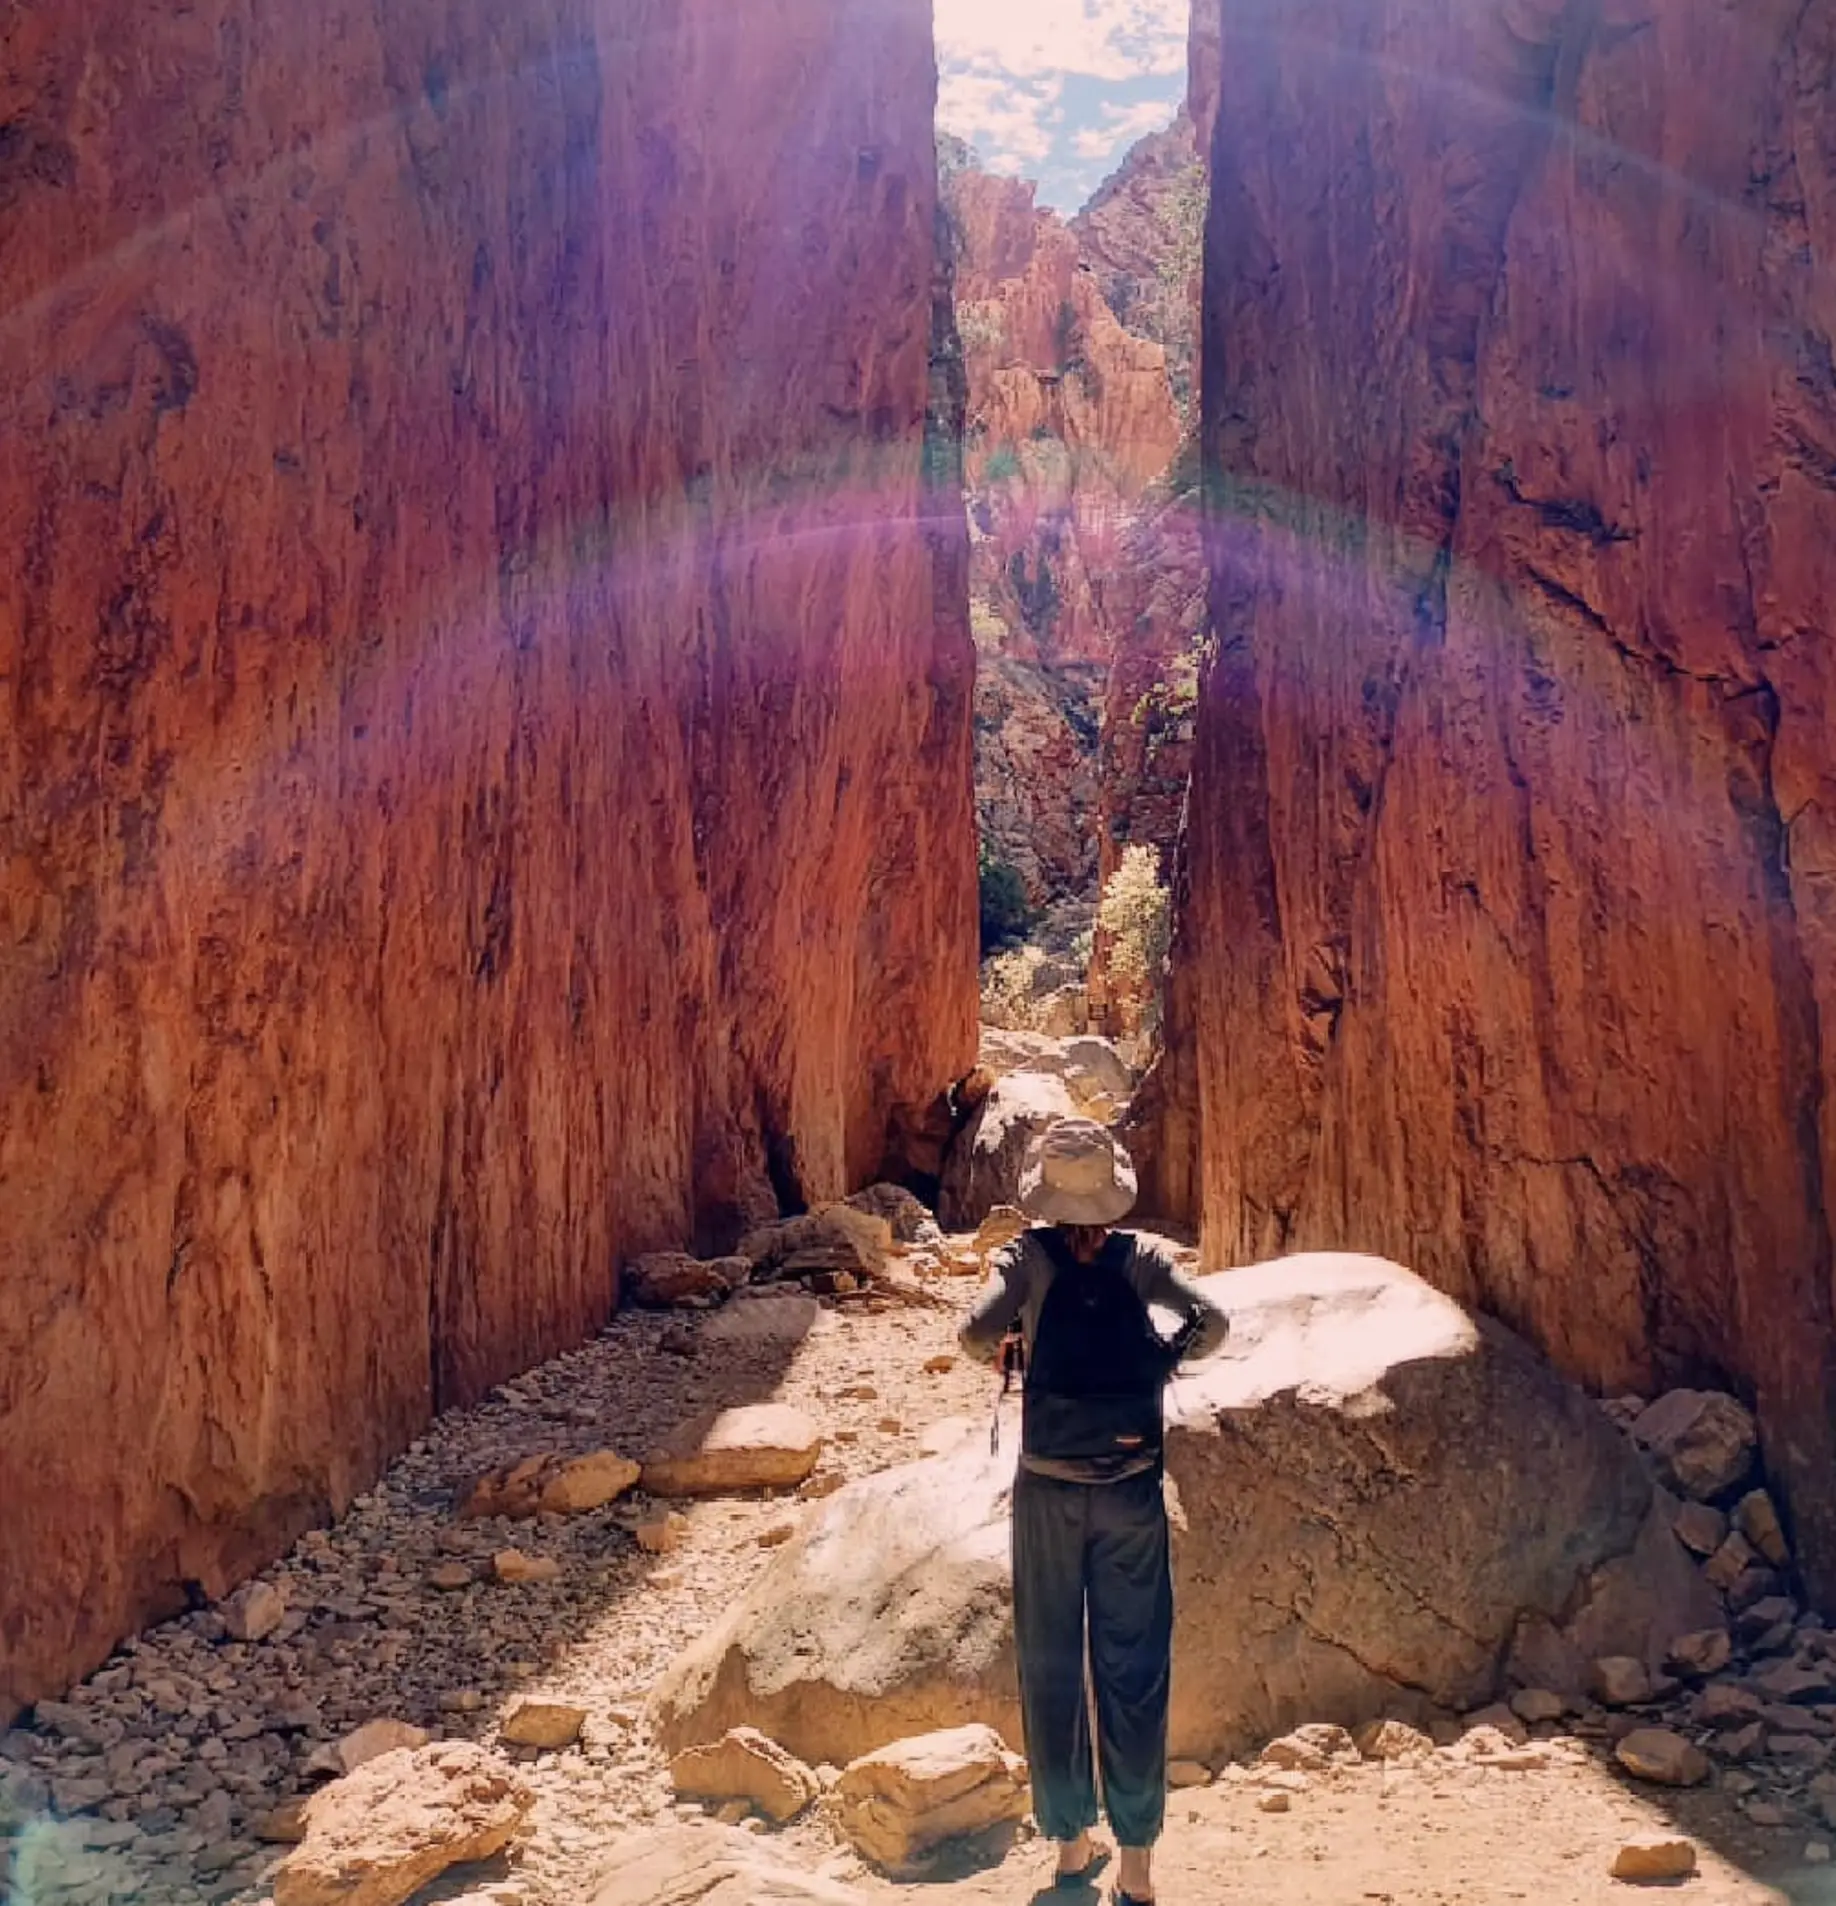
(558, 553)
(405, 1613)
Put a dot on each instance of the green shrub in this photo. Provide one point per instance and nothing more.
(1005, 913)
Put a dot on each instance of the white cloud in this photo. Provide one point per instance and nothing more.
(1121, 126)
(1106, 39)
(1009, 123)
(1003, 67)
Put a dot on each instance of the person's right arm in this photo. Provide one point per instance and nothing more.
(997, 1307)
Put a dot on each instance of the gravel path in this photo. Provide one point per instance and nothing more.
(150, 1780)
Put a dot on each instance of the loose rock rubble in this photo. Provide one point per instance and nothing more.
(744, 1765)
(186, 1769)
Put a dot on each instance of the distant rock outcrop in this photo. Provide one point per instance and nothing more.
(1078, 345)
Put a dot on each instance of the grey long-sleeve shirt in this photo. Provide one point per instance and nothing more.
(1022, 1273)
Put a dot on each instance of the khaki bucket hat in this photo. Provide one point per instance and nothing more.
(1075, 1173)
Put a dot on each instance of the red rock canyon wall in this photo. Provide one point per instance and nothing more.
(485, 781)
(1509, 940)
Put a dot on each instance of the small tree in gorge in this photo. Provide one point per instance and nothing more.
(1005, 913)
(1135, 920)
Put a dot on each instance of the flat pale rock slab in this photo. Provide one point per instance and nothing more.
(374, 1739)
(911, 1796)
(769, 1316)
(746, 1765)
(758, 1446)
(708, 1866)
(379, 1835)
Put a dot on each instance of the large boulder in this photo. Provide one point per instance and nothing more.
(776, 1318)
(1004, 1051)
(709, 1866)
(1383, 1502)
(983, 1169)
(887, 1614)
(1095, 1069)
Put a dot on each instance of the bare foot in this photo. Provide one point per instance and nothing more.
(1135, 1876)
(1075, 1855)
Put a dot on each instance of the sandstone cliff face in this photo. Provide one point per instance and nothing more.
(1142, 235)
(1509, 948)
(1074, 417)
(485, 779)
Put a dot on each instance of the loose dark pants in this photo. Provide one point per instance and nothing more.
(1096, 1551)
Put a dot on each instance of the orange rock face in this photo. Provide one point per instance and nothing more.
(1073, 417)
(1142, 235)
(485, 782)
(1510, 947)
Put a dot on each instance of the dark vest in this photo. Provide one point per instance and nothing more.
(1098, 1368)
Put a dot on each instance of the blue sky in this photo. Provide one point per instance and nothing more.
(1058, 90)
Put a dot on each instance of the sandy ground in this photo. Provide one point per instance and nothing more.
(382, 1641)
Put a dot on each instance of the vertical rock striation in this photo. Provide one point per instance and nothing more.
(1509, 940)
(485, 780)
(1078, 342)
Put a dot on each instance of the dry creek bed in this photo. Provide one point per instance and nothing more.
(151, 1777)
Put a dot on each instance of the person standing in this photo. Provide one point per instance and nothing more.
(1090, 1545)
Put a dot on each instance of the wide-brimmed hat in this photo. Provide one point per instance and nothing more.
(1075, 1173)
